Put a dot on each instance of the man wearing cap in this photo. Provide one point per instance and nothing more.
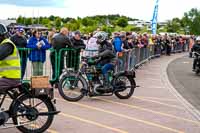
(20, 41)
(74, 56)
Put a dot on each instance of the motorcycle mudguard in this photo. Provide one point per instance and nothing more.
(42, 96)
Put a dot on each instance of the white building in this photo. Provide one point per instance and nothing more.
(140, 23)
(147, 24)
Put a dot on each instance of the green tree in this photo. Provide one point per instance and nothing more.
(122, 22)
(174, 25)
(52, 18)
(20, 20)
(136, 29)
(191, 21)
(88, 22)
(28, 21)
(58, 22)
(45, 21)
(73, 25)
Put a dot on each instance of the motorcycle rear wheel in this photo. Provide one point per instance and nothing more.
(131, 87)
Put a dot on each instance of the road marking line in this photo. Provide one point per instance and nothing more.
(148, 78)
(168, 105)
(93, 123)
(148, 110)
(51, 131)
(186, 62)
(125, 116)
(151, 73)
(156, 98)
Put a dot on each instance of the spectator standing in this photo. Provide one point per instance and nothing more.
(59, 41)
(37, 55)
(51, 34)
(91, 47)
(117, 42)
(74, 56)
(167, 43)
(21, 42)
(118, 47)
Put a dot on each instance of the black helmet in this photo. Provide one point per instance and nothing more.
(3, 29)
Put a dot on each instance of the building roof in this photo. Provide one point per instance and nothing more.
(7, 22)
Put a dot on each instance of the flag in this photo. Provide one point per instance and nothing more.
(154, 19)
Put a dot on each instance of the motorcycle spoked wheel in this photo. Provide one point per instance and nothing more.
(127, 86)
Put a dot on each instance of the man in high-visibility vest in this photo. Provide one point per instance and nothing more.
(9, 61)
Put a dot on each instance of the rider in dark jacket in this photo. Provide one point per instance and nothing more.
(106, 57)
(196, 48)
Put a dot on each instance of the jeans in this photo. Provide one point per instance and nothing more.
(37, 68)
(105, 70)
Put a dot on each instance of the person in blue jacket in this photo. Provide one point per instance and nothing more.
(118, 47)
(117, 42)
(38, 46)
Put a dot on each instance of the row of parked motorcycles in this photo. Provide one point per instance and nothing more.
(32, 112)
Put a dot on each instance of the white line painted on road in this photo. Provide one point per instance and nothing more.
(186, 62)
(93, 123)
(151, 111)
(156, 98)
(125, 116)
(164, 104)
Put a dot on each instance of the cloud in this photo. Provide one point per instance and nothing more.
(34, 3)
(140, 9)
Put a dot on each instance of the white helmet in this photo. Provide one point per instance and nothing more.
(198, 38)
(101, 36)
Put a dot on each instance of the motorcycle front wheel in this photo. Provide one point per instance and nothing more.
(71, 87)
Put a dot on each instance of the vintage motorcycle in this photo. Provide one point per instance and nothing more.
(27, 111)
(73, 86)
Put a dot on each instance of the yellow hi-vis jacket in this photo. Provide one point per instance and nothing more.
(10, 66)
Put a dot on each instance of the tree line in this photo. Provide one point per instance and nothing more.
(188, 24)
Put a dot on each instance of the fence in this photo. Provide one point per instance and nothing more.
(51, 62)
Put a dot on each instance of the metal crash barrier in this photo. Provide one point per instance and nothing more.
(51, 62)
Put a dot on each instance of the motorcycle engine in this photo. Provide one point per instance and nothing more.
(3, 117)
(96, 86)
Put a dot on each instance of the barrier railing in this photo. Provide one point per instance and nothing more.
(51, 62)
(36, 62)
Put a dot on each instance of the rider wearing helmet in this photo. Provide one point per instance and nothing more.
(9, 61)
(196, 48)
(106, 57)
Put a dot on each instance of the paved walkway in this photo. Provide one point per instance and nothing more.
(154, 108)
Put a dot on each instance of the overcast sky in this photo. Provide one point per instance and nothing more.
(141, 9)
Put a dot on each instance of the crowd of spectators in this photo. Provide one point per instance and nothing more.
(122, 41)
